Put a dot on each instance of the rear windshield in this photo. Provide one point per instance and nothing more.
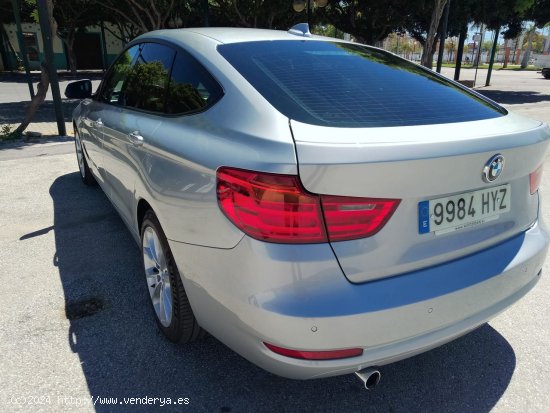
(347, 85)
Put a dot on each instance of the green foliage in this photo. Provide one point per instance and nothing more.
(33, 9)
(537, 41)
(146, 15)
(487, 46)
(5, 130)
(399, 44)
(269, 14)
(418, 19)
(328, 30)
(507, 14)
(522, 6)
(498, 13)
(6, 133)
(184, 98)
(540, 13)
(74, 14)
(145, 86)
(369, 21)
(6, 11)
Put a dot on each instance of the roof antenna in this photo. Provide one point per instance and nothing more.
(300, 29)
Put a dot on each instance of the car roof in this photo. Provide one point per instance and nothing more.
(228, 35)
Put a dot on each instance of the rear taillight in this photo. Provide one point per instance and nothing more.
(535, 179)
(352, 218)
(270, 207)
(276, 208)
(315, 355)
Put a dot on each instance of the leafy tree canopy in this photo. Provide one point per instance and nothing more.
(6, 12)
(369, 21)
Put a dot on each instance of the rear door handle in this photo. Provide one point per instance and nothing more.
(135, 138)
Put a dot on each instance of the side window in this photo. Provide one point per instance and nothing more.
(145, 87)
(113, 83)
(191, 87)
(139, 77)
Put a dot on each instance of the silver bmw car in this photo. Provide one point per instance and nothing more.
(319, 206)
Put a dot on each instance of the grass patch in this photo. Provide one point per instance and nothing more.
(467, 66)
(7, 133)
(496, 66)
(518, 68)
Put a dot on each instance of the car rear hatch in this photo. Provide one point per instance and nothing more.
(419, 164)
(369, 124)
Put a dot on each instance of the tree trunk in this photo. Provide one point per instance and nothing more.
(429, 48)
(69, 42)
(460, 50)
(506, 53)
(41, 91)
(427, 59)
(43, 85)
(527, 53)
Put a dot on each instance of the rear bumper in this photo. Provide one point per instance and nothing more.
(297, 297)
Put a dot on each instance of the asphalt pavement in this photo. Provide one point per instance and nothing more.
(77, 329)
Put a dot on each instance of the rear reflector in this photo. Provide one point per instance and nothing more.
(535, 178)
(316, 355)
(276, 208)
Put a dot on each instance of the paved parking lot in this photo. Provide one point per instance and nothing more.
(15, 96)
(62, 244)
(526, 92)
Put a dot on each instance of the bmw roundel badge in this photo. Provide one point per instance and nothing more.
(493, 168)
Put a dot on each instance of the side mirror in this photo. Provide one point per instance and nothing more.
(81, 89)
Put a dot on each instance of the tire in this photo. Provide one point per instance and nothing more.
(85, 173)
(163, 281)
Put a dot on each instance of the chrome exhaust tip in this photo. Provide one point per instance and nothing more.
(370, 377)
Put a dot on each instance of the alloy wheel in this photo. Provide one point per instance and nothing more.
(158, 276)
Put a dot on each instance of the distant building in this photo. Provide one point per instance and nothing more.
(88, 47)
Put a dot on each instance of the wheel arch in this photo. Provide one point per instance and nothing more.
(142, 207)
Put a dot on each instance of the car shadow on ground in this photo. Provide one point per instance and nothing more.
(123, 354)
(511, 97)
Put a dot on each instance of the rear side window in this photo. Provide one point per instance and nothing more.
(139, 77)
(191, 87)
(347, 85)
(155, 78)
(111, 90)
(147, 80)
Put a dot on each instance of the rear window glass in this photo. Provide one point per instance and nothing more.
(347, 85)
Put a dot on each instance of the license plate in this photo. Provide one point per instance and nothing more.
(461, 211)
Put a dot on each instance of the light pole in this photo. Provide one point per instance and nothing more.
(300, 5)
